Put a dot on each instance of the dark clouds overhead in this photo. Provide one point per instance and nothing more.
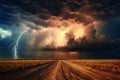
(39, 12)
(77, 9)
(95, 8)
(41, 16)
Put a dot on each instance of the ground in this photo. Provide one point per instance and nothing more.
(59, 69)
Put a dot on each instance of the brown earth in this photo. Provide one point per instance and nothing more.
(66, 70)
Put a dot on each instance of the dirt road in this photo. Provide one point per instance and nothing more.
(59, 70)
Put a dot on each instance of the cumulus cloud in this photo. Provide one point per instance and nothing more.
(59, 23)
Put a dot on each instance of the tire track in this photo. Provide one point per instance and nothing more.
(59, 70)
(91, 73)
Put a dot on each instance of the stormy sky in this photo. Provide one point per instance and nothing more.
(28, 25)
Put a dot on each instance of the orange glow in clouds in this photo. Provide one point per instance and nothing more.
(56, 34)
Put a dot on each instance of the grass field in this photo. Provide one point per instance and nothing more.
(7, 65)
(105, 65)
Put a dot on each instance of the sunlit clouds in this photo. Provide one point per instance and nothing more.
(57, 34)
(57, 24)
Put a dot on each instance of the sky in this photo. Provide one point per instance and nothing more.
(30, 25)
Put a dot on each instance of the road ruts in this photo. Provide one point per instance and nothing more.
(78, 72)
(59, 70)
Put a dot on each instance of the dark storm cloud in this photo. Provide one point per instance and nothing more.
(36, 12)
(31, 13)
(112, 28)
(69, 9)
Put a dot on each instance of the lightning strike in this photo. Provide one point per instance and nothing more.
(17, 43)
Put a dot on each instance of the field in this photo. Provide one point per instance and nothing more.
(9, 65)
(59, 69)
(105, 65)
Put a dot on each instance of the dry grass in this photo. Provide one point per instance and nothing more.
(105, 65)
(7, 65)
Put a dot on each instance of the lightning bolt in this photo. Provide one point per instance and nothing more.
(17, 43)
